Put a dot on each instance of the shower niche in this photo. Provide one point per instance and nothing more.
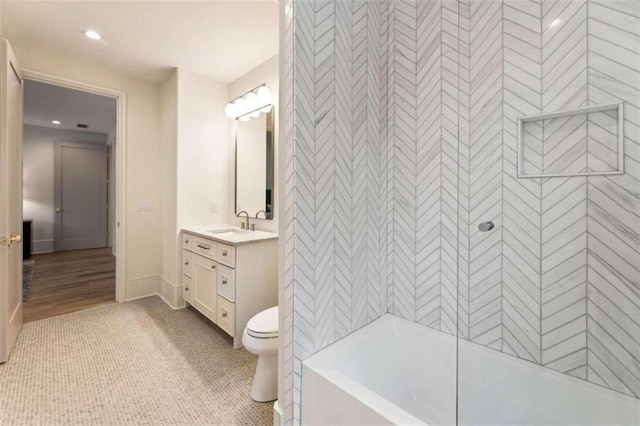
(586, 141)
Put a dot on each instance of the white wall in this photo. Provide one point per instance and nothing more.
(169, 114)
(38, 197)
(267, 72)
(143, 233)
(202, 150)
(194, 141)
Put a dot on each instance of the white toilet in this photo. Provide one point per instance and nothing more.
(260, 337)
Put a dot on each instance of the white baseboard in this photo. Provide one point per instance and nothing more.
(277, 414)
(171, 294)
(138, 288)
(154, 285)
(42, 246)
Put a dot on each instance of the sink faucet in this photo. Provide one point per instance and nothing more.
(263, 212)
(245, 225)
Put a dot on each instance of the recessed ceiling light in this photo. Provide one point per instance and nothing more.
(93, 35)
(56, 122)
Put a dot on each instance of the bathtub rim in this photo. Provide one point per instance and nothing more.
(319, 363)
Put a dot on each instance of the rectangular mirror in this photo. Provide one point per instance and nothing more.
(254, 165)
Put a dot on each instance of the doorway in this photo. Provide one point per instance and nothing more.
(70, 199)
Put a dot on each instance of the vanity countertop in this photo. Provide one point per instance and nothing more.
(228, 234)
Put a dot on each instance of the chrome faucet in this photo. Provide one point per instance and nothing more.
(245, 225)
(263, 212)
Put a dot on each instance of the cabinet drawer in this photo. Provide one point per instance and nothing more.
(187, 241)
(227, 255)
(186, 262)
(227, 283)
(226, 316)
(206, 248)
(187, 291)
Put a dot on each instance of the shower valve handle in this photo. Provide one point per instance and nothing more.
(486, 226)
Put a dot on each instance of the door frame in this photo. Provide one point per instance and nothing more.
(121, 134)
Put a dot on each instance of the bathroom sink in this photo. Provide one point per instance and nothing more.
(228, 231)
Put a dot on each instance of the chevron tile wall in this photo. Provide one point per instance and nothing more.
(335, 177)
(613, 202)
(555, 233)
(526, 288)
(545, 297)
(400, 138)
(423, 159)
(521, 204)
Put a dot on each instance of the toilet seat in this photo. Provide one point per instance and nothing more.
(264, 325)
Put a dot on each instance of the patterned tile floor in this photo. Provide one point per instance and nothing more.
(130, 363)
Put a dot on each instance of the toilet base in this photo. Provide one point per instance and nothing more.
(265, 381)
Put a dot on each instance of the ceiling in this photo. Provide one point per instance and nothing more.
(218, 39)
(44, 103)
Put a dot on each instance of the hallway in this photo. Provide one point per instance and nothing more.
(70, 281)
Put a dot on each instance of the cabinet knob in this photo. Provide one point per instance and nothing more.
(213, 266)
(224, 252)
(224, 315)
(186, 262)
(224, 282)
(186, 289)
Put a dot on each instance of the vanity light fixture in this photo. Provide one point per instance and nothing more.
(251, 104)
(93, 35)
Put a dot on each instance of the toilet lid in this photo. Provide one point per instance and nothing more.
(265, 324)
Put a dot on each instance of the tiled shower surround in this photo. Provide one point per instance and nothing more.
(400, 138)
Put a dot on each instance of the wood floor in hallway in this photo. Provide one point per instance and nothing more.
(70, 281)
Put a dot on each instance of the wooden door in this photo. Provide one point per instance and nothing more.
(80, 192)
(10, 200)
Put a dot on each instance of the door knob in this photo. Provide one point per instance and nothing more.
(15, 238)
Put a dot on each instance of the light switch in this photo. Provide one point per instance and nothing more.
(144, 205)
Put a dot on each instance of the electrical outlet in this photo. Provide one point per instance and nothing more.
(213, 206)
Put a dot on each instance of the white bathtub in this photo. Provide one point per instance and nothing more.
(394, 371)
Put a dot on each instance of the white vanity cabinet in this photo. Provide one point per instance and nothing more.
(227, 281)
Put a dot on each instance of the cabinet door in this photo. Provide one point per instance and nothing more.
(205, 286)
(187, 289)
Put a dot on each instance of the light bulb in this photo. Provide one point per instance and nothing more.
(264, 95)
(230, 110)
(241, 106)
(251, 101)
(93, 35)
